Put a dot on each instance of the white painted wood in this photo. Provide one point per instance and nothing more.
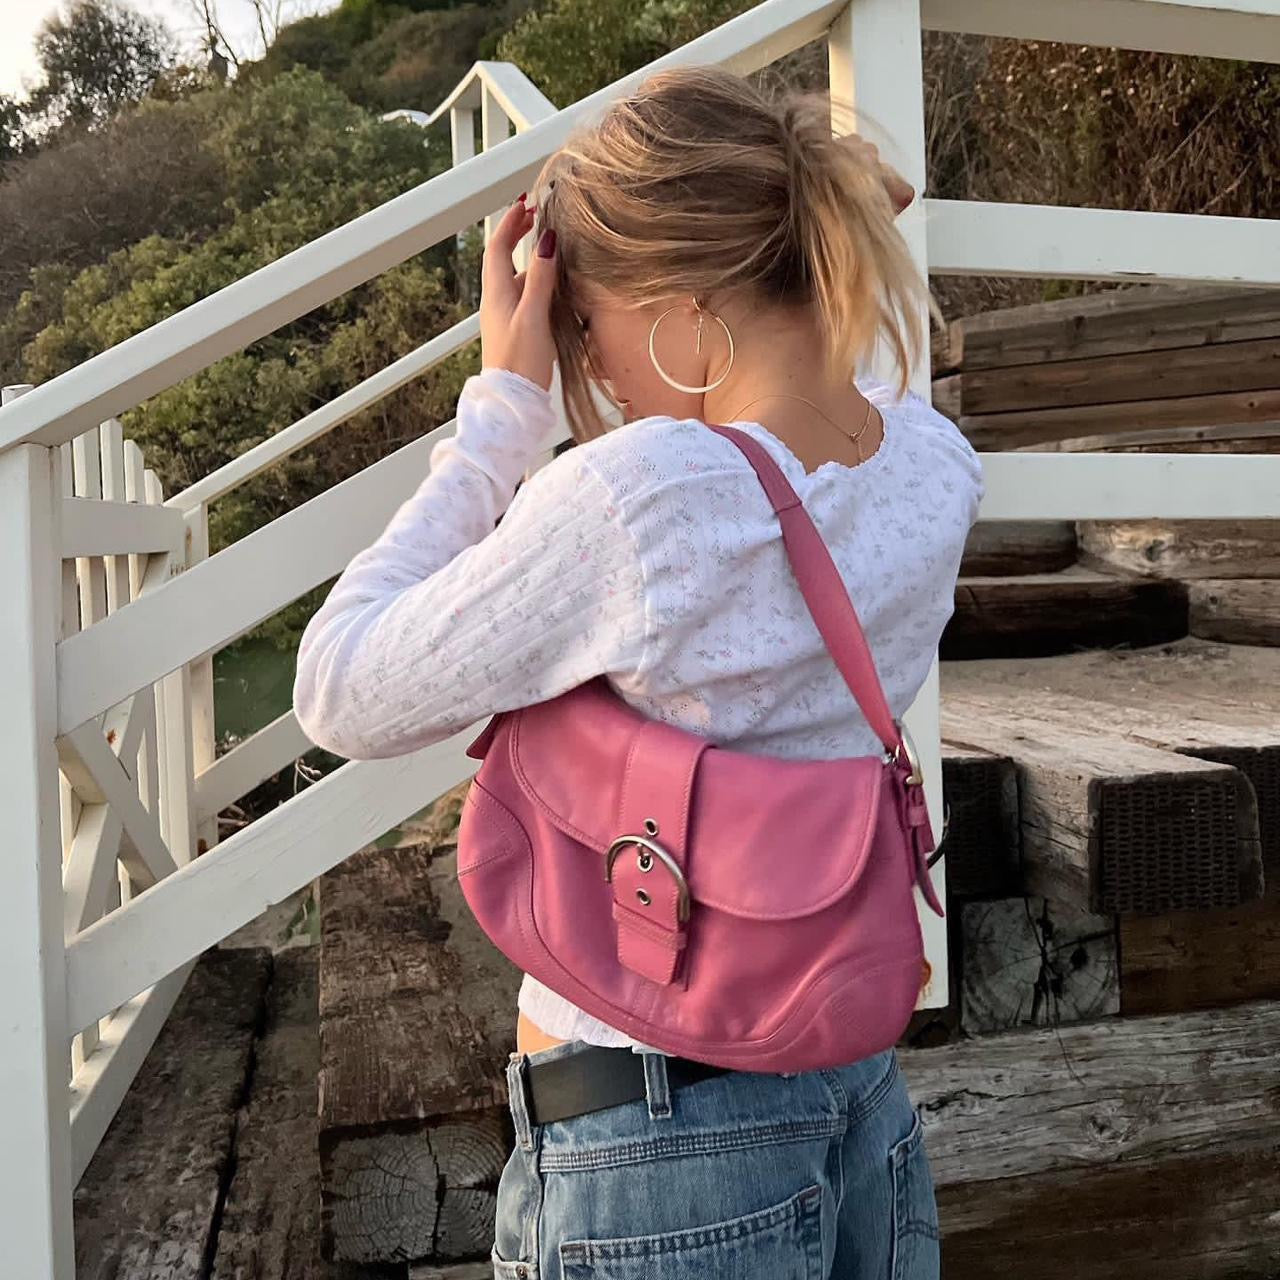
(134, 492)
(85, 751)
(100, 1086)
(228, 594)
(524, 103)
(115, 529)
(91, 573)
(462, 131)
(35, 1171)
(1119, 486)
(111, 442)
(875, 66)
(316, 273)
(248, 763)
(323, 420)
(971, 237)
(203, 727)
(260, 865)
(495, 128)
(1245, 29)
(90, 868)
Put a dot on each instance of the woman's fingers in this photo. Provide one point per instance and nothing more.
(498, 273)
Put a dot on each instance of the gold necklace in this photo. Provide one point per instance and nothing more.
(855, 436)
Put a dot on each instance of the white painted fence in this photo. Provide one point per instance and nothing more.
(113, 608)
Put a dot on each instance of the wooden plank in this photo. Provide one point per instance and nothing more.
(1235, 611)
(1142, 318)
(1233, 437)
(1126, 1149)
(1124, 377)
(147, 1204)
(270, 1223)
(1182, 549)
(1001, 549)
(1110, 825)
(417, 1017)
(1032, 427)
(1034, 615)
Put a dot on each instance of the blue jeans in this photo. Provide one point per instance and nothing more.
(744, 1176)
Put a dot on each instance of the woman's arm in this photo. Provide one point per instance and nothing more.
(445, 618)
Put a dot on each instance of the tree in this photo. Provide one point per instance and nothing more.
(97, 58)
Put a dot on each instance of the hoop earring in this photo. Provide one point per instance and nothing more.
(666, 377)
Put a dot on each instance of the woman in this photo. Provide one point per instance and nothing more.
(701, 252)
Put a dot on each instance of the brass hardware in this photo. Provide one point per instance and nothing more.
(654, 848)
(645, 862)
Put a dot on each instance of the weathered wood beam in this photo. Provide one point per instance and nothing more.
(1110, 825)
(1001, 549)
(1126, 1149)
(417, 1017)
(1037, 614)
(1235, 611)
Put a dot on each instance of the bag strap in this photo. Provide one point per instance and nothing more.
(823, 588)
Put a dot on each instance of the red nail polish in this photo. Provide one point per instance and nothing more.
(521, 196)
(547, 243)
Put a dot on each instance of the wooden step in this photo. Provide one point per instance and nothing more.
(1108, 322)
(1036, 615)
(1235, 611)
(1109, 824)
(147, 1204)
(980, 789)
(1003, 548)
(1127, 1149)
(417, 1018)
(1182, 549)
(991, 432)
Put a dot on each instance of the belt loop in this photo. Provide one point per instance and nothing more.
(657, 1086)
(518, 1098)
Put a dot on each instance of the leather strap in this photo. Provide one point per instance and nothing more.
(823, 588)
(598, 1077)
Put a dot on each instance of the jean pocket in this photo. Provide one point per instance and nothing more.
(915, 1209)
(518, 1218)
(780, 1242)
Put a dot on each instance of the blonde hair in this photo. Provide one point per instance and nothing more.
(699, 184)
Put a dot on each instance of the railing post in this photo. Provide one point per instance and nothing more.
(35, 1131)
(876, 65)
(203, 729)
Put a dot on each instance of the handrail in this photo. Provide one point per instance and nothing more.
(323, 420)
(314, 274)
(524, 103)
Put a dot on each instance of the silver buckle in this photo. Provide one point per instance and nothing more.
(915, 777)
(611, 854)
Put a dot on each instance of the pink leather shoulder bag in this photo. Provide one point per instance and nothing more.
(745, 910)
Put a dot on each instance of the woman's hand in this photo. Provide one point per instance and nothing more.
(515, 324)
(901, 192)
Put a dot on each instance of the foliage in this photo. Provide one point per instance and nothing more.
(297, 160)
(96, 58)
(570, 48)
(390, 56)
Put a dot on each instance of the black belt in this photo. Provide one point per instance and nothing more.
(598, 1077)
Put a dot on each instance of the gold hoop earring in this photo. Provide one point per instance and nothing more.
(665, 376)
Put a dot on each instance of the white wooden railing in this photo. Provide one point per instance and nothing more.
(114, 882)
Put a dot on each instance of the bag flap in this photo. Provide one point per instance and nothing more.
(793, 856)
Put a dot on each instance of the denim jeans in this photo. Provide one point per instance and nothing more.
(744, 1176)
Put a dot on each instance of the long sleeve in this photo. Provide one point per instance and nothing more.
(446, 619)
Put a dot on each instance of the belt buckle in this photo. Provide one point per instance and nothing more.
(652, 847)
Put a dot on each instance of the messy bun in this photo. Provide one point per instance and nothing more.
(698, 184)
